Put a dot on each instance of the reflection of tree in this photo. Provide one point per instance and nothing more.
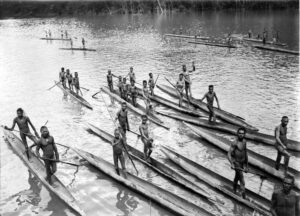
(126, 203)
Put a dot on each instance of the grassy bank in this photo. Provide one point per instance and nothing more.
(25, 9)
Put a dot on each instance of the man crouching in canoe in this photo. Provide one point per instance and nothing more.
(118, 144)
(122, 116)
(47, 144)
(238, 158)
(23, 123)
(145, 138)
(281, 144)
(210, 96)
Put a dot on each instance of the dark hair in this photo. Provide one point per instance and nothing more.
(181, 74)
(283, 117)
(241, 129)
(20, 110)
(144, 116)
(124, 78)
(144, 81)
(210, 86)
(150, 74)
(290, 177)
(62, 68)
(43, 127)
(124, 103)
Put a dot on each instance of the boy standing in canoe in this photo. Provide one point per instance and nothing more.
(110, 81)
(23, 123)
(47, 144)
(210, 96)
(118, 144)
(281, 144)
(238, 158)
(145, 138)
(122, 116)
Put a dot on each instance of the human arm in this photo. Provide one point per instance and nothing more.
(204, 96)
(12, 127)
(277, 137)
(55, 150)
(229, 155)
(33, 128)
(37, 150)
(127, 123)
(117, 115)
(217, 100)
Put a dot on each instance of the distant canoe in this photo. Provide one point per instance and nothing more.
(62, 39)
(78, 49)
(213, 44)
(261, 41)
(275, 49)
(187, 36)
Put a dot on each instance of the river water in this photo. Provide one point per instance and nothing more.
(260, 86)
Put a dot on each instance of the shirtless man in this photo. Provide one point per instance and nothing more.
(69, 78)
(76, 83)
(281, 144)
(62, 77)
(23, 123)
(131, 75)
(47, 144)
(145, 138)
(122, 116)
(133, 93)
(120, 86)
(210, 96)
(146, 97)
(285, 202)
(193, 67)
(110, 81)
(125, 89)
(187, 81)
(238, 158)
(180, 86)
(118, 144)
(151, 84)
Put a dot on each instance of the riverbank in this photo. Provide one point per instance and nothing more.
(28, 9)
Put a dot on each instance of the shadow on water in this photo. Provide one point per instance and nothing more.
(126, 202)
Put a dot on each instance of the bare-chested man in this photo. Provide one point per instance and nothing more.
(238, 159)
(131, 75)
(23, 123)
(210, 96)
(62, 77)
(180, 86)
(281, 143)
(133, 93)
(145, 138)
(151, 84)
(110, 81)
(118, 144)
(47, 144)
(76, 83)
(122, 116)
(146, 97)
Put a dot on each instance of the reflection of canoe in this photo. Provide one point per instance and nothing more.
(62, 39)
(187, 36)
(261, 41)
(172, 202)
(157, 166)
(226, 116)
(265, 164)
(153, 119)
(232, 129)
(213, 44)
(73, 95)
(78, 49)
(38, 169)
(217, 181)
(275, 49)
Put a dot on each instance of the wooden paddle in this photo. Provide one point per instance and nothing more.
(176, 89)
(93, 96)
(57, 161)
(53, 86)
(84, 88)
(262, 176)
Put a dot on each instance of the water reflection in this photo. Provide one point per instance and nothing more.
(125, 202)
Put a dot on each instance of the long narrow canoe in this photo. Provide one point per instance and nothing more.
(275, 49)
(61, 39)
(187, 36)
(132, 108)
(213, 44)
(38, 169)
(228, 117)
(218, 182)
(261, 41)
(232, 129)
(259, 161)
(78, 49)
(73, 95)
(157, 166)
(165, 198)
(174, 106)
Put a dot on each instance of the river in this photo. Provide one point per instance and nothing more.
(260, 86)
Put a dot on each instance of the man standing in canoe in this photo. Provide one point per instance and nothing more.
(146, 97)
(120, 86)
(210, 96)
(281, 144)
(110, 81)
(118, 144)
(62, 77)
(145, 138)
(193, 67)
(47, 144)
(131, 75)
(23, 123)
(69, 78)
(286, 202)
(238, 158)
(180, 86)
(187, 82)
(133, 93)
(151, 84)
(125, 89)
(76, 83)
(122, 116)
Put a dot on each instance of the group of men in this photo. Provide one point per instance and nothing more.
(275, 37)
(66, 77)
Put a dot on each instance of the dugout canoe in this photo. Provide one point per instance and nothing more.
(78, 49)
(218, 182)
(155, 165)
(132, 108)
(275, 49)
(265, 164)
(61, 39)
(232, 129)
(38, 169)
(74, 96)
(187, 36)
(261, 41)
(226, 116)
(213, 44)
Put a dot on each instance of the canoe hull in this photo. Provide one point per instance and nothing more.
(275, 49)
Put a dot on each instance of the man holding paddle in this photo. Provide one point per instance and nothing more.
(50, 153)
(238, 158)
(23, 123)
(210, 96)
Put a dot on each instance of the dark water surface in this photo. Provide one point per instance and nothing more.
(258, 85)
